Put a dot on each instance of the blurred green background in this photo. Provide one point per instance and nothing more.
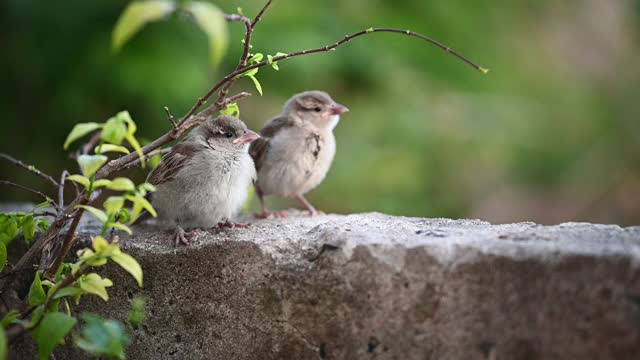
(552, 134)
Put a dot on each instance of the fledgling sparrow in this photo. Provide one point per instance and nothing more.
(204, 180)
(295, 150)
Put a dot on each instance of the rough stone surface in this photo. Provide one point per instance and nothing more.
(372, 286)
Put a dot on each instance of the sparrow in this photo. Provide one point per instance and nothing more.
(205, 178)
(295, 149)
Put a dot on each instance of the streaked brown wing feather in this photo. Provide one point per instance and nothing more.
(259, 148)
(172, 163)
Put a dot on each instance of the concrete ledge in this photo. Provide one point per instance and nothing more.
(373, 286)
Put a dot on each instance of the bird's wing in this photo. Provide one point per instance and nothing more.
(259, 147)
(173, 162)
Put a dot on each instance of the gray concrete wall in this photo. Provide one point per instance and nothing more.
(372, 286)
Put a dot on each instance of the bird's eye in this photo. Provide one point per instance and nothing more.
(228, 134)
(317, 109)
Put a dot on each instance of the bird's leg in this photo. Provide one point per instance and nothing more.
(308, 206)
(228, 224)
(180, 236)
(266, 214)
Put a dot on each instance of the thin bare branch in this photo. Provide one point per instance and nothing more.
(235, 98)
(68, 242)
(259, 16)
(63, 178)
(171, 119)
(45, 213)
(231, 76)
(148, 156)
(30, 168)
(39, 193)
(358, 34)
(14, 270)
(237, 17)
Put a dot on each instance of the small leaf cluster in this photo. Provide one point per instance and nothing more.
(255, 59)
(49, 317)
(13, 223)
(115, 215)
(206, 15)
(114, 131)
(50, 300)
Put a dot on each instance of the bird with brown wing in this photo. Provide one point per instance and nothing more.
(296, 149)
(204, 180)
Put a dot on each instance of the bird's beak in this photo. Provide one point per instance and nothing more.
(338, 109)
(247, 137)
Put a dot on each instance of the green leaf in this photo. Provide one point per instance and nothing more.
(256, 58)
(4, 345)
(136, 146)
(94, 284)
(117, 225)
(36, 292)
(113, 204)
(9, 230)
(92, 259)
(125, 215)
(129, 264)
(102, 337)
(147, 187)
(90, 164)
(155, 161)
(99, 214)
(100, 244)
(114, 131)
(137, 314)
(104, 148)
(121, 184)
(35, 317)
(140, 203)
(43, 224)
(82, 180)
(135, 16)
(28, 227)
(101, 183)
(256, 83)
(9, 318)
(3, 255)
(251, 72)
(70, 291)
(125, 117)
(273, 64)
(51, 331)
(79, 131)
(43, 204)
(211, 20)
(231, 109)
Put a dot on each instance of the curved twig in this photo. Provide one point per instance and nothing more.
(242, 70)
(30, 168)
(33, 191)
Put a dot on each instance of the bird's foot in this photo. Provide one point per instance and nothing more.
(315, 212)
(271, 214)
(231, 225)
(180, 236)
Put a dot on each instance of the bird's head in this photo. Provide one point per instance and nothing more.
(315, 107)
(225, 133)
